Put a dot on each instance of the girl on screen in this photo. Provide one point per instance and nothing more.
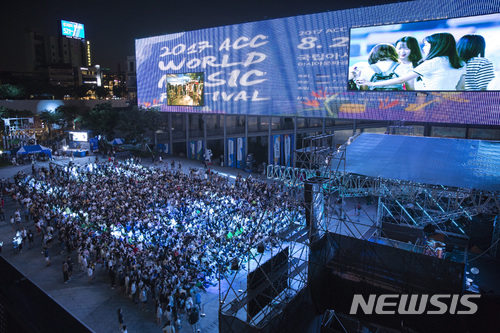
(409, 51)
(410, 56)
(384, 64)
(479, 71)
(441, 69)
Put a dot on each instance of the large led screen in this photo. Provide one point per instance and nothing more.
(300, 66)
(443, 55)
(72, 29)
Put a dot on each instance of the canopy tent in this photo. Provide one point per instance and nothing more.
(35, 149)
(117, 141)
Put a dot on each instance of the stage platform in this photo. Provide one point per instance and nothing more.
(461, 163)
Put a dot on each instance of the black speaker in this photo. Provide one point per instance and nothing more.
(308, 197)
(260, 248)
(234, 264)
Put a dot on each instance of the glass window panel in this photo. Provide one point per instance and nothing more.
(448, 132)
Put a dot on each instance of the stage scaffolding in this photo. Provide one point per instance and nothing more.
(359, 245)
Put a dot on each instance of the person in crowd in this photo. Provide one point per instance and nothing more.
(159, 313)
(479, 72)
(168, 327)
(441, 70)
(193, 318)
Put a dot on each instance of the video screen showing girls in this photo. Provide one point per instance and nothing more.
(461, 54)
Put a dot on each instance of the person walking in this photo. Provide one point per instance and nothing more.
(46, 255)
(65, 268)
(143, 298)
(69, 261)
(90, 273)
(31, 239)
(120, 318)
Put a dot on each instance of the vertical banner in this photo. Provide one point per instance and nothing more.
(94, 144)
(231, 161)
(240, 153)
(276, 149)
(199, 150)
(288, 150)
(192, 150)
(163, 148)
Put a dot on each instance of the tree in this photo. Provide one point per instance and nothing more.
(69, 115)
(52, 118)
(10, 91)
(102, 119)
(153, 120)
(133, 123)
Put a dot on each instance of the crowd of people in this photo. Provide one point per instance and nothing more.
(162, 235)
(441, 64)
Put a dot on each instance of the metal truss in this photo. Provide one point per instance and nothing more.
(495, 237)
(450, 209)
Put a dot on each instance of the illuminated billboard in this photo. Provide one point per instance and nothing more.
(300, 66)
(72, 29)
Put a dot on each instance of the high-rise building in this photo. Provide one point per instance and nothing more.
(58, 55)
(131, 78)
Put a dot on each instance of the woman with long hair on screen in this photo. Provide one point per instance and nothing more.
(442, 69)
(410, 55)
(384, 63)
(479, 70)
(409, 51)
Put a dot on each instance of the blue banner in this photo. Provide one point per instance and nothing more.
(199, 150)
(275, 149)
(231, 153)
(240, 153)
(163, 148)
(288, 150)
(192, 150)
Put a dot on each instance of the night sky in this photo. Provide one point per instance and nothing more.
(112, 26)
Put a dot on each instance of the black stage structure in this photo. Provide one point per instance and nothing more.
(382, 214)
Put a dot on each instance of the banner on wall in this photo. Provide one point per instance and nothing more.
(192, 150)
(163, 148)
(288, 150)
(275, 149)
(231, 160)
(199, 150)
(302, 65)
(240, 153)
